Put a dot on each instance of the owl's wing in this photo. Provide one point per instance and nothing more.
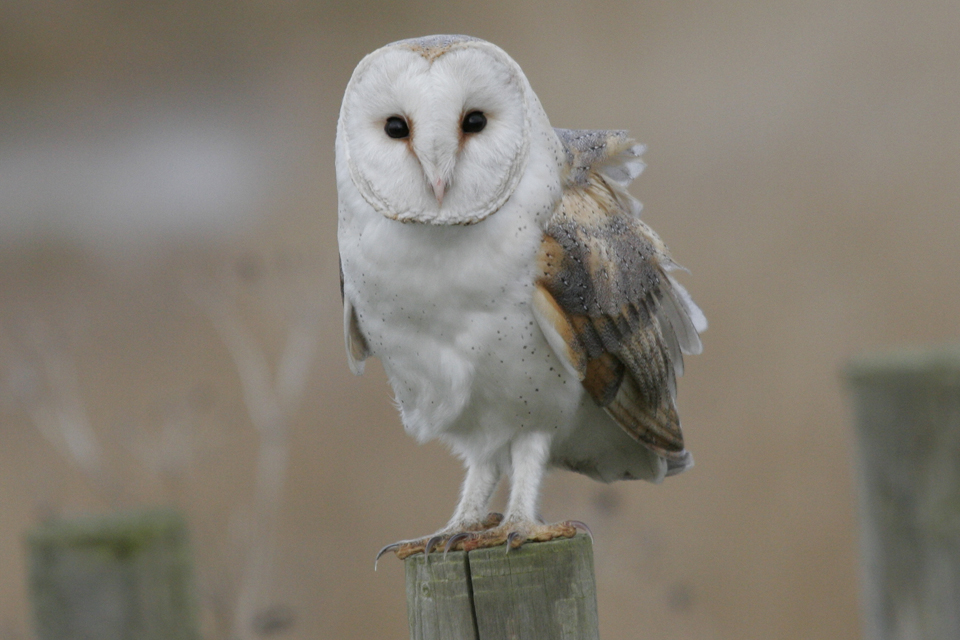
(605, 299)
(357, 350)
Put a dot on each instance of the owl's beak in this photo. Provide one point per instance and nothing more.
(437, 163)
(439, 187)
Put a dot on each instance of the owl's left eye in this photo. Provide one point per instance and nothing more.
(474, 122)
(396, 127)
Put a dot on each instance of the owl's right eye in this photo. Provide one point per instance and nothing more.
(396, 127)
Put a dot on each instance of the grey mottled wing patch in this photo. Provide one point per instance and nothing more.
(612, 153)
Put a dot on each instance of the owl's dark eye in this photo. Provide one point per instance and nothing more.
(474, 122)
(396, 127)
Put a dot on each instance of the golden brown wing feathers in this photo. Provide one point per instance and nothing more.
(604, 272)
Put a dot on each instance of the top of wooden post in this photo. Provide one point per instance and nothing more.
(938, 365)
(541, 591)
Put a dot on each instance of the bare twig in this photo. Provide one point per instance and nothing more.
(271, 402)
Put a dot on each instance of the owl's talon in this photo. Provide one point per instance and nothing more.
(582, 526)
(431, 543)
(514, 536)
(454, 539)
(390, 547)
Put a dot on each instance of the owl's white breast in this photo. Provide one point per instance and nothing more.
(447, 310)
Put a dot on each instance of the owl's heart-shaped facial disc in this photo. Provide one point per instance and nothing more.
(436, 133)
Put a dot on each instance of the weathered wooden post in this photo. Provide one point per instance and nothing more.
(541, 591)
(124, 576)
(908, 423)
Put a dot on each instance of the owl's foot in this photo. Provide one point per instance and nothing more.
(440, 539)
(515, 534)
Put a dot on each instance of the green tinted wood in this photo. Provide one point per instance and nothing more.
(438, 597)
(118, 577)
(908, 426)
(542, 591)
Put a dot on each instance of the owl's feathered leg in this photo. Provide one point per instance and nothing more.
(528, 458)
(470, 515)
(478, 485)
(529, 454)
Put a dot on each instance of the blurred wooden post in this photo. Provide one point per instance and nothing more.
(541, 591)
(908, 423)
(125, 576)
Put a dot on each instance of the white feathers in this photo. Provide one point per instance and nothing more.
(685, 316)
(433, 93)
(626, 166)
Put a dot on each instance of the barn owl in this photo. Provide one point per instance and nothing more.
(500, 271)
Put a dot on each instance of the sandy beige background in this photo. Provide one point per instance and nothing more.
(803, 164)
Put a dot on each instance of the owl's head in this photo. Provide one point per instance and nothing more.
(437, 129)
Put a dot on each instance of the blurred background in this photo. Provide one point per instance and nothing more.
(170, 320)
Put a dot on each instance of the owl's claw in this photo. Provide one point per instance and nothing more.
(431, 543)
(454, 539)
(390, 547)
(514, 536)
(576, 524)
